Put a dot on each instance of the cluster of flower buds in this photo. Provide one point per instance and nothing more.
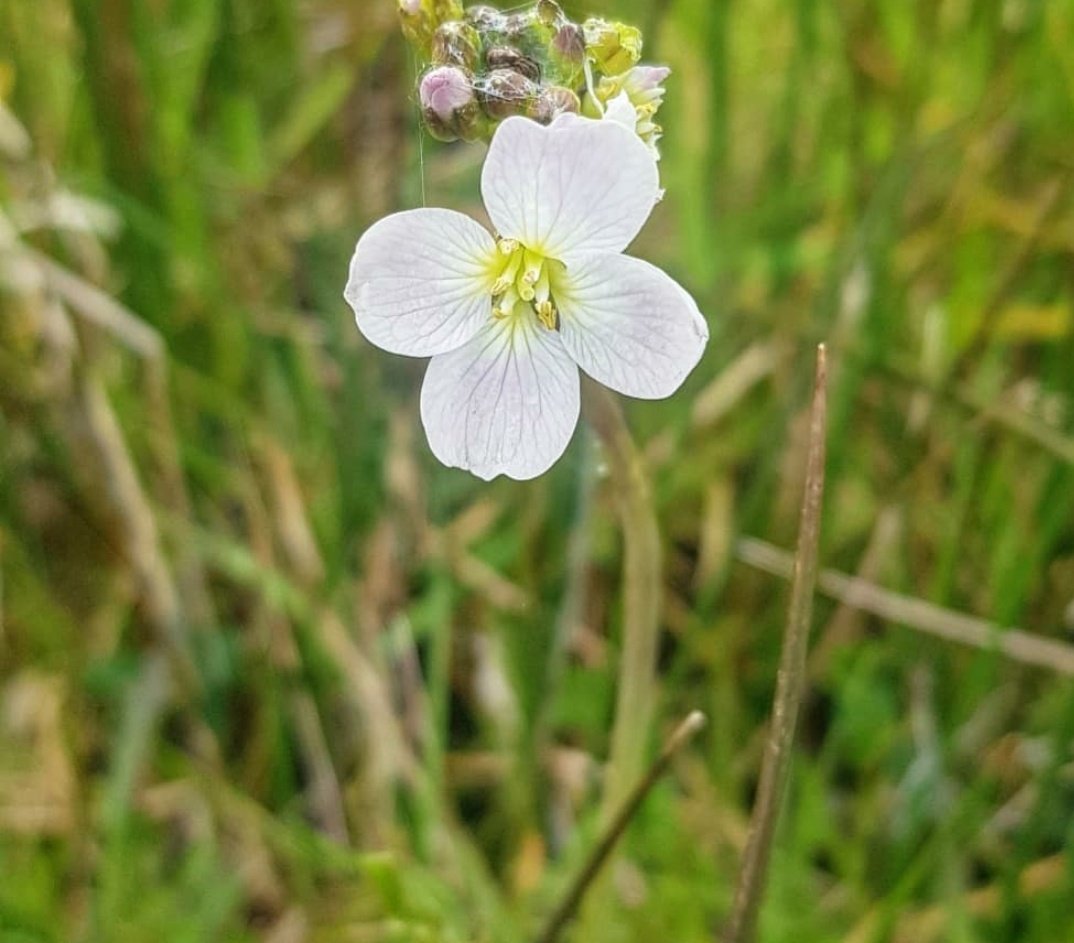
(484, 66)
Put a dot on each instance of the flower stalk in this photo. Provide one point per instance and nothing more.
(642, 595)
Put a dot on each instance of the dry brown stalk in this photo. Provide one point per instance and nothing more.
(621, 818)
(790, 682)
(917, 614)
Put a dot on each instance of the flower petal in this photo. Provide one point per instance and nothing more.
(622, 111)
(506, 403)
(629, 325)
(578, 185)
(420, 282)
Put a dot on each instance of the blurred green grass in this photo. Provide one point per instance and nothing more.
(268, 672)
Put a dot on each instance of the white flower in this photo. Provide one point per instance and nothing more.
(508, 320)
(633, 99)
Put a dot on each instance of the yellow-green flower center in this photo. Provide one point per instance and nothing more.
(524, 279)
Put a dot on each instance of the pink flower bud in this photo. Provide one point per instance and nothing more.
(445, 91)
(410, 7)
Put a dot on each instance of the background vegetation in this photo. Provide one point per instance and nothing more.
(268, 672)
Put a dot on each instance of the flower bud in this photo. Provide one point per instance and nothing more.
(485, 19)
(528, 33)
(566, 57)
(471, 124)
(552, 102)
(444, 11)
(448, 103)
(550, 13)
(569, 43)
(421, 18)
(415, 22)
(458, 44)
(614, 47)
(516, 25)
(506, 92)
(638, 92)
(507, 57)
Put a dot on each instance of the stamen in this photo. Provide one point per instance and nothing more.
(534, 267)
(509, 273)
(506, 305)
(543, 289)
(548, 315)
(524, 278)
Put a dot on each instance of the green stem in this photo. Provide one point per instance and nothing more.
(636, 696)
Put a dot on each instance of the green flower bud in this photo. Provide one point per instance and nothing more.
(614, 47)
(415, 23)
(485, 19)
(506, 92)
(528, 33)
(516, 25)
(552, 102)
(566, 56)
(550, 13)
(456, 43)
(444, 11)
(472, 125)
(507, 57)
(421, 18)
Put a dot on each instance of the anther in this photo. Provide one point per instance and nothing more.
(534, 267)
(510, 272)
(548, 315)
(506, 305)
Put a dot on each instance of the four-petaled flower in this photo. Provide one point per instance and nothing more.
(509, 320)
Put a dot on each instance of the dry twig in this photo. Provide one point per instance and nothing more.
(790, 683)
(614, 831)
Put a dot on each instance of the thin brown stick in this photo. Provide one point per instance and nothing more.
(614, 831)
(917, 614)
(790, 683)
